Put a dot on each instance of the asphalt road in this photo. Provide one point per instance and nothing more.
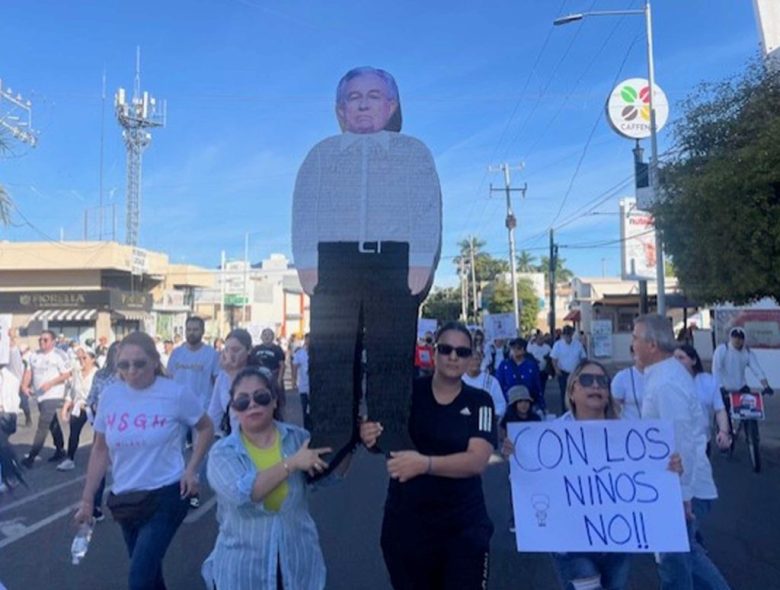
(36, 531)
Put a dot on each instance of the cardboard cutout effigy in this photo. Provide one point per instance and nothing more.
(366, 239)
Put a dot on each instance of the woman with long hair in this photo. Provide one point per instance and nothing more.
(233, 358)
(74, 411)
(140, 427)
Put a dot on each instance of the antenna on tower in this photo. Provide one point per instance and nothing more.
(16, 116)
(136, 118)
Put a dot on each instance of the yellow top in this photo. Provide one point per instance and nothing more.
(265, 459)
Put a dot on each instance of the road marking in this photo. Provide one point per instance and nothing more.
(196, 515)
(27, 499)
(38, 525)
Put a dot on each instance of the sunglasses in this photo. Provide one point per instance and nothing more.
(463, 352)
(136, 364)
(241, 402)
(588, 380)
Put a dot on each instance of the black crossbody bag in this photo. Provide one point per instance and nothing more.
(133, 507)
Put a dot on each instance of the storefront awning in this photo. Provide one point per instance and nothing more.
(573, 316)
(64, 315)
(130, 315)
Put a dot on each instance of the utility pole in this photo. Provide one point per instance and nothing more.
(551, 278)
(463, 290)
(246, 278)
(135, 118)
(473, 279)
(221, 293)
(511, 224)
(641, 182)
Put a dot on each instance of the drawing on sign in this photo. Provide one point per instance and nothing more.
(541, 502)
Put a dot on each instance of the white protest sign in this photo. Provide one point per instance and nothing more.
(426, 325)
(601, 338)
(5, 338)
(596, 486)
(499, 326)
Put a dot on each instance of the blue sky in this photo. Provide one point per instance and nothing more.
(250, 87)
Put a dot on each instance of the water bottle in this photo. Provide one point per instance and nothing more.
(78, 548)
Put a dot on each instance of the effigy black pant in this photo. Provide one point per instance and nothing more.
(361, 303)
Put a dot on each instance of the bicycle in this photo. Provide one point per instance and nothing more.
(744, 409)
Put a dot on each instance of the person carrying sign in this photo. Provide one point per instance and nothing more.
(588, 397)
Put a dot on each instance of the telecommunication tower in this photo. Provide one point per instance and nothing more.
(16, 116)
(136, 118)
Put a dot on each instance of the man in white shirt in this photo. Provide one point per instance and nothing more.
(540, 350)
(670, 394)
(730, 360)
(45, 378)
(566, 354)
(195, 366)
(480, 379)
(300, 379)
(628, 387)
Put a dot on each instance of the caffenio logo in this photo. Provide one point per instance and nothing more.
(628, 108)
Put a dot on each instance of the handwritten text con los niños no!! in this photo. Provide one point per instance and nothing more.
(552, 448)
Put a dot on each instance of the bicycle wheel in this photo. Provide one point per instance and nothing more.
(751, 430)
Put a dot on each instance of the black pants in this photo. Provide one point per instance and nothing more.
(362, 300)
(420, 558)
(563, 379)
(76, 424)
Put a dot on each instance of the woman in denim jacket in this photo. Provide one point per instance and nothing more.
(267, 538)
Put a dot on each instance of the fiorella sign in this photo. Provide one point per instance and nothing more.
(628, 108)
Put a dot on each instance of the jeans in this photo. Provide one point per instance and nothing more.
(593, 570)
(147, 542)
(692, 570)
(706, 575)
(48, 421)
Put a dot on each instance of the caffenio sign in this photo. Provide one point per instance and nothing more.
(628, 108)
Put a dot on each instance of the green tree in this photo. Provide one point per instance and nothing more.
(525, 262)
(721, 191)
(562, 274)
(443, 305)
(486, 267)
(500, 301)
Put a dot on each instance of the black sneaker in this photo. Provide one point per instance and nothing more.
(194, 502)
(28, 462)
(57, 456)
(98, 515)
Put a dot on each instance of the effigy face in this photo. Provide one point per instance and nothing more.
(366, 242)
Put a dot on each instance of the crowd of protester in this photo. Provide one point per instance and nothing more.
(436, 531)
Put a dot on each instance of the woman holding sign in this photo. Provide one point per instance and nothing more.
(436, 530)
(588, 397)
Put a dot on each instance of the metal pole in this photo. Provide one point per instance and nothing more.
(221, 294)
(462, 291)
(551, 279)
(246, 278)
(473, 279)
(653, 170)
(511, 223)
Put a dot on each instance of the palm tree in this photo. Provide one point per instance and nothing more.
(525, 262)
(562, 274)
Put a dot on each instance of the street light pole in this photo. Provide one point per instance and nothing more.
(653, 168)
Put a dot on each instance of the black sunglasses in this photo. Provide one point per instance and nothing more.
(137, 364)
(241, 403)
(588, 379)
(463, 352)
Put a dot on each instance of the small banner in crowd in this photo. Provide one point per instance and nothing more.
(499, 326)
(596, 486)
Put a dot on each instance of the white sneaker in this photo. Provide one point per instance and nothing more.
(66, 465)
